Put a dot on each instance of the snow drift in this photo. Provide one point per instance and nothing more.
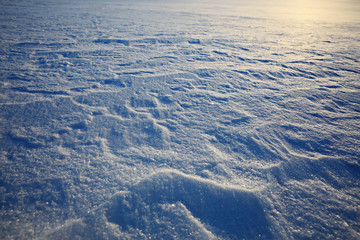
(170, 205)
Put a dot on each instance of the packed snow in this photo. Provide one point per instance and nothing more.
(153, 119)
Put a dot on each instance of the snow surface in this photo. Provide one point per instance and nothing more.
(179, 119)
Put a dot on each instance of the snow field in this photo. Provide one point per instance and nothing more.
(255, 118)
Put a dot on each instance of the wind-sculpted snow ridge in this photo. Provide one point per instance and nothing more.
(173, 205)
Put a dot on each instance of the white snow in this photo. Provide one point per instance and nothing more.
(179, 119)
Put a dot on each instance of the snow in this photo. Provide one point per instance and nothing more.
(179, 119)
(170, 204)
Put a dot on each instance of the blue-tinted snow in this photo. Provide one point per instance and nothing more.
(190, 120)
(170, 205)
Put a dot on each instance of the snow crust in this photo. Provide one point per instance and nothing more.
(170, 205)
(251, 107)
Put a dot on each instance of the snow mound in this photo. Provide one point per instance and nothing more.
(170, 205)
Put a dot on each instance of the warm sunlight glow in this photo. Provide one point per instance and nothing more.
(298, 10)
(319, 10)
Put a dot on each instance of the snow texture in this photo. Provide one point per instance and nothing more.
(175, 119)
(170, 205)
